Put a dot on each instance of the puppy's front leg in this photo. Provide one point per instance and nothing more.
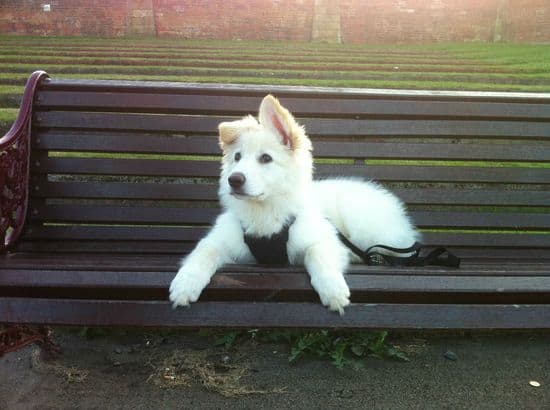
(224, 244)
(325, 264)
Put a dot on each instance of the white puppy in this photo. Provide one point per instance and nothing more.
(266, 185)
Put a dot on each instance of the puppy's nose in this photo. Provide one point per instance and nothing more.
(237, 180)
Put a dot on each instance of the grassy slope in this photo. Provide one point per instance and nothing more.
(472, 66)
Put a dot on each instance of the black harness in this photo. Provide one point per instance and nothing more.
(272, 250)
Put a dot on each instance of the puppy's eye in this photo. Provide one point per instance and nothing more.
(237, 156)
(265, 158)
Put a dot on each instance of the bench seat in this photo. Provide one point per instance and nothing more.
(98, 289)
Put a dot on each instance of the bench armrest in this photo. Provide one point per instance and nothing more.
(14, 167)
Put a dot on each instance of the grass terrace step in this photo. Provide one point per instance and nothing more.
(322, 59)
(395, 75)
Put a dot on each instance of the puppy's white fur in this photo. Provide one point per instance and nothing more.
(277, 190)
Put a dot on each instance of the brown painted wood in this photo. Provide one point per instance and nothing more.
(157, 263)
(205, 216)
(61, 140)
(317, 126)
(208, 145)
(78, 270)
(122, 190)
(459, 196)
(482, 252)
(495, 239)
(124, 214)
(209, 192)
(420, 173)
(117, 233)
(200, 168)
(149, 234)
(481, 246)
(473, 220)
(304, 91)
(241, 105)
(146, 167)
(265, 314)
(138, 247)
(470, 281)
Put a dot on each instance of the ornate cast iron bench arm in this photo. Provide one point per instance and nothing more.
(14, 168)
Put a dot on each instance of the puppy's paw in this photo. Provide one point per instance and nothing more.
(334, 293)
(186, 287)
(337, 303)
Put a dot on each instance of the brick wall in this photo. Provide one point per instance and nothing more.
(528, 20)
(106, 18)
(235, 19)
(360, 21)
(418, 20)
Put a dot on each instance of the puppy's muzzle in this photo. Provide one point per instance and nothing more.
(236, 180)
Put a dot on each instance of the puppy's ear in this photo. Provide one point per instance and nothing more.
(280, 121)
(229, 131)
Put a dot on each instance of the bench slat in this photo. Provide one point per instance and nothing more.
(258, 314)
(534, 249)
(190, 168)
(128, 190)
(168, 234)
(284, 90)
(158, 263)
(209, 192)
(460, 196)
(316, 126)
(147, 143)
(473, 219)
(204, 216)
(117, 232)
(422, 173)
(104, 166)
(469, 281)
(124, 214)
(242, 105)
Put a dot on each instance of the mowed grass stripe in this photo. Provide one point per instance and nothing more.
(524, 63)
(282, 47)
(465, 50)
(252, 64)
(468, 52)
(8, 115)
(317, 58)
(342, 52)
(396, 75)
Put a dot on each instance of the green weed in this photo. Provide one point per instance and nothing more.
(342, 349)
(227, 340)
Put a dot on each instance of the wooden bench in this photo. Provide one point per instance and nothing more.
(123, 182)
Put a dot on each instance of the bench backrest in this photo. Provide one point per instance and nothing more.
(132, 166)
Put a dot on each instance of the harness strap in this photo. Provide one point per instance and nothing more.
(439, 256)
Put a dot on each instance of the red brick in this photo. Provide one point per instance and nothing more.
(372, 21)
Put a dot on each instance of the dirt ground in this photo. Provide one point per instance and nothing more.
(144, 369)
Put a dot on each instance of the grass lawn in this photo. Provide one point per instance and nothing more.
(471, 66)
